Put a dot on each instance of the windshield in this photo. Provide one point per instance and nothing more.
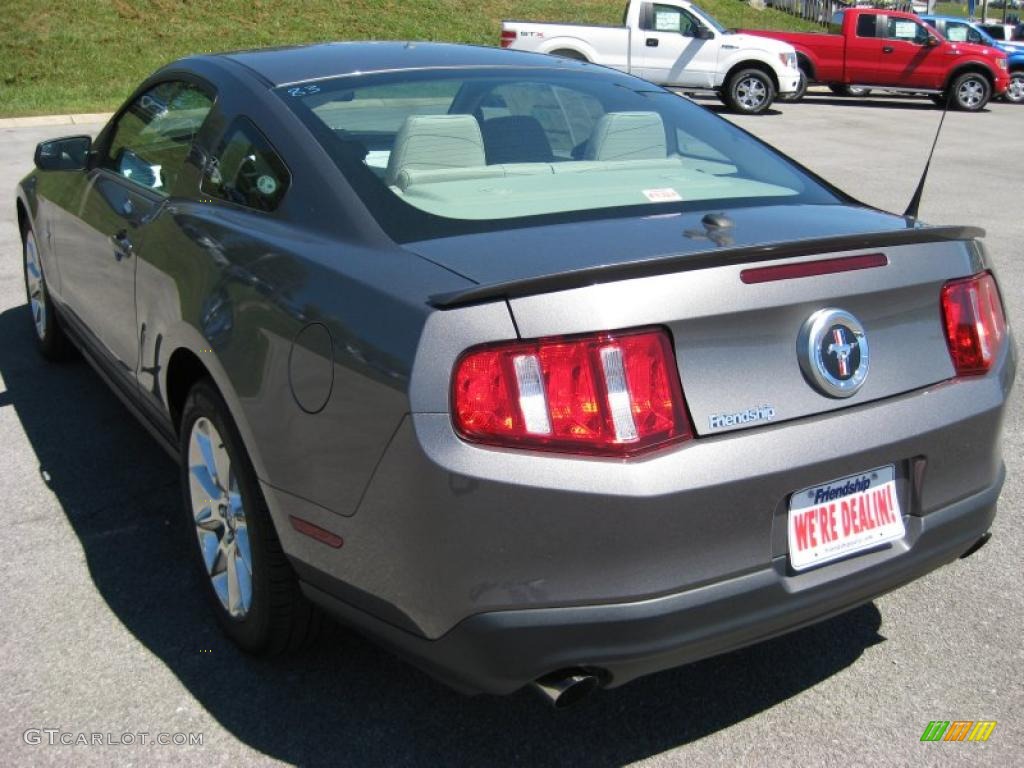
(436, 152)
(709, 18)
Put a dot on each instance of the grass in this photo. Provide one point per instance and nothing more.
(70, 56)
(960, 9)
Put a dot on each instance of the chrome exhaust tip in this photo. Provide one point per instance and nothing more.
(566, 687)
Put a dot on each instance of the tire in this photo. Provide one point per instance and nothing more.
(851, 91)
(749, 92)
(567, 53)
(801, 89)
(1015, 92)
(50, 339)
(234, 542)
(971, 92)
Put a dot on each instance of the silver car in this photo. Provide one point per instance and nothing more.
(538, 373)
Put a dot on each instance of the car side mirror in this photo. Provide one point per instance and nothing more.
(703, 33)
(932, 41)
(70, 153)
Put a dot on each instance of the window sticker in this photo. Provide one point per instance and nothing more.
(662, 195)
(667, 21)
(904, 30)
(956, 34)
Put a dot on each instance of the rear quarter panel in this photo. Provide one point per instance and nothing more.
(608, 46)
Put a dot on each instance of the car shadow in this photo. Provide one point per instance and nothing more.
(347, 701)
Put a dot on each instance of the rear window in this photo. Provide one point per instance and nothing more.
(867, 25)
(439, 152)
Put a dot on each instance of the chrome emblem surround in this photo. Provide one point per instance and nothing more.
(833, 352)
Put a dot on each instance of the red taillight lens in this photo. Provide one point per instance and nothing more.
(610, 394)
(975, 324)
(508, 36)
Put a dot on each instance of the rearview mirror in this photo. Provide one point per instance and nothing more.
(70, 153)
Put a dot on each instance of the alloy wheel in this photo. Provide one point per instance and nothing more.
(751, 93)
(219, 516)
(1015, 91)
(971, 93)
(35, 286)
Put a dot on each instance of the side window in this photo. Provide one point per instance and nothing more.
(867, 25)
(669, 18)
(246, 170)
(907, 30)
(959, 33)
(153, 136)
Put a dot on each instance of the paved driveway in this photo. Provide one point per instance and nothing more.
(102, 630)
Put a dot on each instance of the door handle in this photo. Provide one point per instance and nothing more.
(652, 42)
(887, 49)
(123, 245)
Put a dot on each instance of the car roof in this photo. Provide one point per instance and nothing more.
(295, 64)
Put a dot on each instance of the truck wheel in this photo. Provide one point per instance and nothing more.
(749, 92)
(566, 53)
(801, 89)
(971, 92)
(242, 568)
(1015, 92)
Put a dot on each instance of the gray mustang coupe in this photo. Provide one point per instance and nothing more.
(531, 370)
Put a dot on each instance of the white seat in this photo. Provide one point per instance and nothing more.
(628, 136)
(436, 142)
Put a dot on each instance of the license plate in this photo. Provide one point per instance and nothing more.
(847, 515)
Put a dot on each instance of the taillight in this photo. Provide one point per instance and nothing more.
(508, 36)
(975, 324)
(608, 394)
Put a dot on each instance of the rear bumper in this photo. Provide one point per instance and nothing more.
(501, 651)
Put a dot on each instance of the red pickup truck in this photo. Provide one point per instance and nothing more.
(866, 47)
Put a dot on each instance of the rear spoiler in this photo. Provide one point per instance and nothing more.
(686, 262)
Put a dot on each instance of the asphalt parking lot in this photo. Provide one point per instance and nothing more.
(102, 629)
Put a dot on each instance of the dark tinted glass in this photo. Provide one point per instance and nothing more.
(246, 170)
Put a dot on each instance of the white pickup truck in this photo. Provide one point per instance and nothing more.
(673, 43)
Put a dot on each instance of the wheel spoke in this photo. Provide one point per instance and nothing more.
(209, 519)
(202, 439)
(210, 547)
(242, 545)
(221, 462)
(200, 476)
(220, 586)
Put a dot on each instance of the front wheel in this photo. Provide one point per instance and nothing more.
(245, 573)
(798, 94)
(50, 339)
(971, 92)
(749, 92)
(1015, 91)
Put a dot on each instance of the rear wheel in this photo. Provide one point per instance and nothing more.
(251, 585)
(1015, 92)
(566, 53)
(749, 92)
(971, 92)
(801, 89)
(50, 339)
